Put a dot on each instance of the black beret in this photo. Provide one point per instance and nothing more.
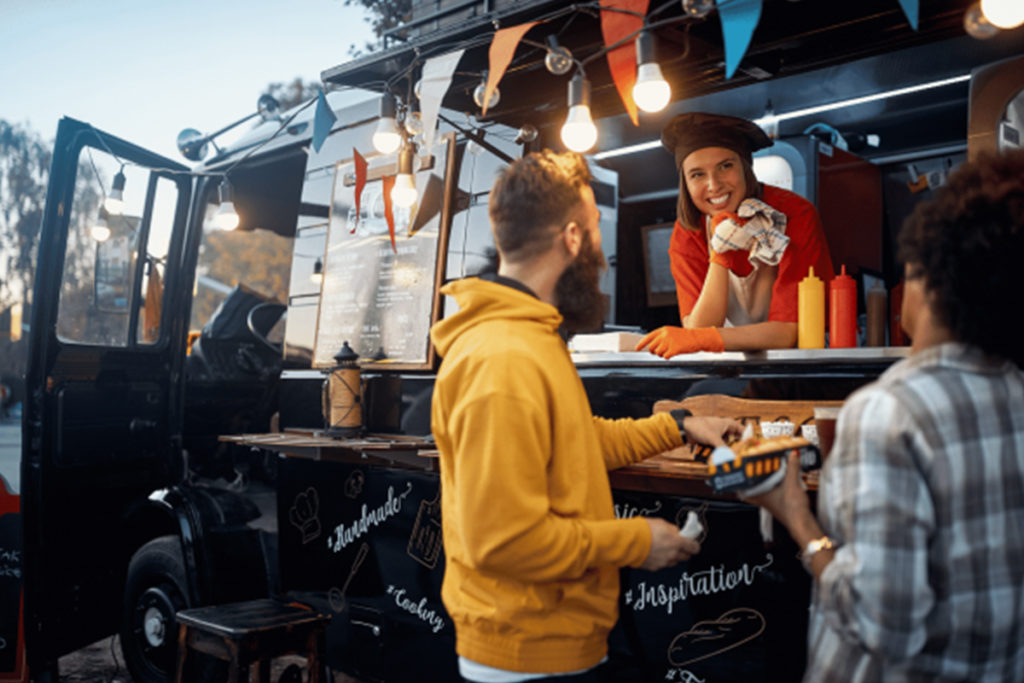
(687, 133)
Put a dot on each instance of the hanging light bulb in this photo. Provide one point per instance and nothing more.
(226, 217)
(769, 121)
(114, 203)
(386, 139)
(99, 230)
(651, 92)
(527, 134)
(977, 24)
(478, 94)
(317, 276)
(558, 60)
(1004, 14)
(579, 132)
(698, 9)
(417, 89)
(413, 123)
(404, 192)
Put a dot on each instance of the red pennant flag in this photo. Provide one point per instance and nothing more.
(389, 182)
(360, 163)
(622, 60)
(503, 46)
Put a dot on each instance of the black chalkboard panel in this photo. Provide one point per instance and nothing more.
(10, 591)
(375, 297)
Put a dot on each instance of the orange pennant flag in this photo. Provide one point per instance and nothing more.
(389, 182)
(503, 46)
(360, 165)
(622, 60)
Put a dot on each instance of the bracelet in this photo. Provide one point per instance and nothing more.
(813, 547)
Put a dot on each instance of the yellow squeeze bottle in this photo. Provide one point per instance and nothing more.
(811, 312)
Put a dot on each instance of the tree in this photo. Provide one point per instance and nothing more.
(383, 15)
(293, 93)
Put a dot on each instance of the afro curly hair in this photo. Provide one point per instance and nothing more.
(968, 245)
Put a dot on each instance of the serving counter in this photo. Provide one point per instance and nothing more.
(360, 528)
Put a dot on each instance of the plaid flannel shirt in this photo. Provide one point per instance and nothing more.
(924, 490)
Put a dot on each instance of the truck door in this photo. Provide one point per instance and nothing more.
(102, 420)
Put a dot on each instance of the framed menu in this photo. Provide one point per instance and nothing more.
(381, 299)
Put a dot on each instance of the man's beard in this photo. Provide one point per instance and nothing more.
(578, 293)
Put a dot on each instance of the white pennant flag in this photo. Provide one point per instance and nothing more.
(437, 78)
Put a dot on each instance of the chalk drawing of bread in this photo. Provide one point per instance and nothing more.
(713, 637)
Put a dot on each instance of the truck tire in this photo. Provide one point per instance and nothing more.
(155, 589)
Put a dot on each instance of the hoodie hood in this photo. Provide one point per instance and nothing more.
(481, 302)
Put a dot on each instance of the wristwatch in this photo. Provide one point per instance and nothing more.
(812, 548)
(681, 414)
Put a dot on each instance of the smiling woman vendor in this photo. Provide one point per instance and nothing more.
(739, 248)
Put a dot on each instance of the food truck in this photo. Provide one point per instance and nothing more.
(181, 443)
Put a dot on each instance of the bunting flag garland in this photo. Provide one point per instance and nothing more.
(503, 46)
(360, 168)
(323, 121)
(622, 60)
(739, 19)
(437, 78)
(910, 9)
(388, 182)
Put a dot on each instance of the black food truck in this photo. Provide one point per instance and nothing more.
(179, 448)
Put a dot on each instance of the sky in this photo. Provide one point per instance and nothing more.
(143, 70)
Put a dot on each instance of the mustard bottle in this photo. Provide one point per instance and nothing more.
(811, 312)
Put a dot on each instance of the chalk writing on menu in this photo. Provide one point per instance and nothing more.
(377, 297)
(715, 579)
(712, 637)
(370, 517)
(425, 541)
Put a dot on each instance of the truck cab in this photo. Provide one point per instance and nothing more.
(156, 331)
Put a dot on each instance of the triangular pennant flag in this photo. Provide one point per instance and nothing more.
(360, 167)
(503, 46)
(437, 77)
(323, 120)
(910, 9)
(739, 19)
(389, 182)
(622, 60)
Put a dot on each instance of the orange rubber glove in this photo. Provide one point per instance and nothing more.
(671, 341)
(736, 260)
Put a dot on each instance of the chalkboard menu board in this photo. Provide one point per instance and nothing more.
(383, 300)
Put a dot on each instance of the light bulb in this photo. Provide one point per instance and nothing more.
(99, 230)
(317, 276)
(579, 132)
(651, 92)
(414, 123)
(478, 95)
(977, 24)
(404, 192)
(114, 203)
(1004, 14)
(698, 9)
(558, 60)
(527, 133)
(226, 217)
(418, 89)
(386, 139)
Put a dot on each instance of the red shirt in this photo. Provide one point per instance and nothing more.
(688, 255)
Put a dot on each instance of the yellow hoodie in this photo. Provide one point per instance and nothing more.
(530, 536)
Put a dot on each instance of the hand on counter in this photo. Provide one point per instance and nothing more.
(711, 431)
(668, 548)
(671, 341)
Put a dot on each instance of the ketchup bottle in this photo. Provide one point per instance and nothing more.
(811, 312)
(842, 311)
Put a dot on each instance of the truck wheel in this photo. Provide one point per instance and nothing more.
(156, 588)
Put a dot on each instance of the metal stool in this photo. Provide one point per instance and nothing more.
(255, 631)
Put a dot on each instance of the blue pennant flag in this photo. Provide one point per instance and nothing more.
(323, 120)
(910, 9)
(739, 19)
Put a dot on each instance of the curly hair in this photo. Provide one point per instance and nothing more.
(532, 199)
(967, 243)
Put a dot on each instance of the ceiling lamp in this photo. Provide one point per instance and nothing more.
(579, 132)
(99, 230)
(404, 193)
(558, 60)
(386, 138)
(114, 203)
(1005, 14)
(651, 92)
(481, 90)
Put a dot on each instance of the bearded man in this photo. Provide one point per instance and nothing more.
(530, 536)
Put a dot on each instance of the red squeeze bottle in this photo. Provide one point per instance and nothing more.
(842, 311)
